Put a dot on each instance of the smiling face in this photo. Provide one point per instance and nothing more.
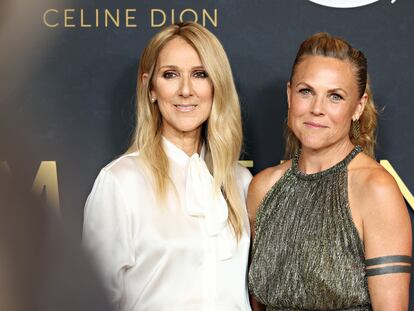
(323, 99)
(182, 89)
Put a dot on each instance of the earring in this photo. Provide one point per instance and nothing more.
(355, 128)
(152, 99)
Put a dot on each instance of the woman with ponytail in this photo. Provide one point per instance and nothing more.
(331, 229)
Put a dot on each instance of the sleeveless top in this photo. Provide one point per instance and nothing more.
(307, 254)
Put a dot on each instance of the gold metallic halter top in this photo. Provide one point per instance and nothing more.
(307, 254)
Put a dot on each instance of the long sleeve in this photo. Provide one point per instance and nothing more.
(155, 255)
(107, 232)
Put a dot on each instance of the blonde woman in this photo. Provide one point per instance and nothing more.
(167, 221)
(332, 231)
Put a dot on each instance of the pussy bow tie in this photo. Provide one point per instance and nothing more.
(203, 201)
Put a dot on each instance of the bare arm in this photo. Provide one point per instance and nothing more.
(387, 237)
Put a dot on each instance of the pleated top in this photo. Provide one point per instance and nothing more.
(307, 254)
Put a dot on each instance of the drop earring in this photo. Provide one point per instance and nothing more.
(355, 128)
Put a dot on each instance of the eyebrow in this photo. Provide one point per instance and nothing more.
(330, 90)
(176, 67)
(304, 83)
(338, 89)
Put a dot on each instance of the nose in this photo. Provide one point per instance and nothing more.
(185, 87)
(317, 107)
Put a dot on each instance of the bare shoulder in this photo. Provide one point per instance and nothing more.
(375, 190)
(264, 180)
(261, 184)
(371, 180)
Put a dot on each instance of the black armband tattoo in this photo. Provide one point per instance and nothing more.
(397, 268)
(388, 269)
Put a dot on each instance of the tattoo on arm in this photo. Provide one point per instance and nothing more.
(396, 261)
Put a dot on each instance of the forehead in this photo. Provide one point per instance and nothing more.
(325, 70)
(178, 52)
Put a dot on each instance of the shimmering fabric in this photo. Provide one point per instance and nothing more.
(307, 254)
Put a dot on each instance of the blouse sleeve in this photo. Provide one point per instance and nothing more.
(107, 232)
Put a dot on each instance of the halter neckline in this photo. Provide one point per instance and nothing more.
(333, 169)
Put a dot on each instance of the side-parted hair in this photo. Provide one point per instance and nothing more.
(323, 44)
(222, 132)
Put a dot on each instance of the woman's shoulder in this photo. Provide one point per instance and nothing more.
(120, 184)
(261, 183)
(126, 168)
(243, 172)
(375, 189)
(243, 178)
(123, 161)
(264, 180)
(368, 175)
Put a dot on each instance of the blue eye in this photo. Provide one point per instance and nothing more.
(169, 74)
(336, 97)
(200, 74)
(305, 92)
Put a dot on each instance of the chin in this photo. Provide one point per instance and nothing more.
(188, 128)
(314, 143)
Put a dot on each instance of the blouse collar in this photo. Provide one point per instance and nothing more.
(178, 154)
(202, 200)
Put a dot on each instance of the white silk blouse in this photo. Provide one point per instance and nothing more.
(179, 255)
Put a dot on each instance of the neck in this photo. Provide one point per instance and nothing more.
(315, 160)
(190, 143)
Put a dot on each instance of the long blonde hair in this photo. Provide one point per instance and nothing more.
(323, 44)
(222, 132)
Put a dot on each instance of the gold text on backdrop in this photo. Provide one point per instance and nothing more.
(159, 17)
(125, 18)
(46, 180)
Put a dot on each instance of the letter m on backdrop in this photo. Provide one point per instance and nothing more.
(46, 180)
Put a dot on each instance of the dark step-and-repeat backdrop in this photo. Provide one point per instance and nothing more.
(68, 77)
